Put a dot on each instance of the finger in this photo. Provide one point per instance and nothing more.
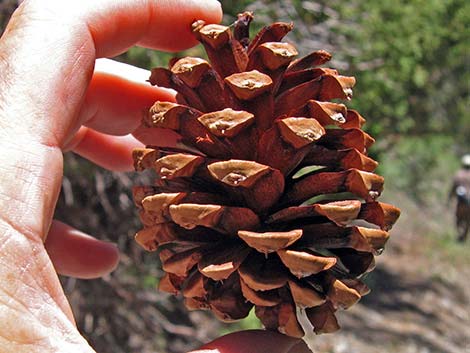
(118, 96)
(79, 255)
(254, 341)
(163, 25)
(110, 152)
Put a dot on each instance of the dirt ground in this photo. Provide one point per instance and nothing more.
(420, 299)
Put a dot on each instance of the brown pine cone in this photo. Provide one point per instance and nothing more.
(274, 205)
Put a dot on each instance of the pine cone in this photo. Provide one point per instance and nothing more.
(264, 209)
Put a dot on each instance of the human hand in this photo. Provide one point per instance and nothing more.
(52, 100)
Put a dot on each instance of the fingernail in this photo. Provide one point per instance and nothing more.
(212, 5)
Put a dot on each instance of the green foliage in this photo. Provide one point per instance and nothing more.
(411, 61)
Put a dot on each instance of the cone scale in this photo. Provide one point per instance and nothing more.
(233, 217)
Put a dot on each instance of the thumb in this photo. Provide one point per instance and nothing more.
(255, 341)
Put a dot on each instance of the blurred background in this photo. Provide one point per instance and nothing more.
(411, 59)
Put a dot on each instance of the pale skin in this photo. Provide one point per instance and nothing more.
(52, 100)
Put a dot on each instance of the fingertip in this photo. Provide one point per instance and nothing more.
(79, 255)
(170, 29)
